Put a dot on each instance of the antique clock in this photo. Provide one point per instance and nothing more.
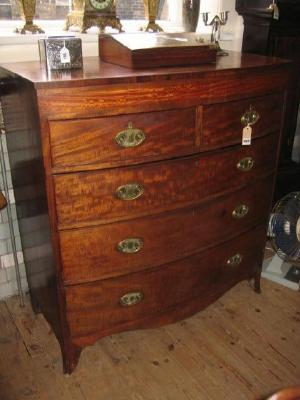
(88, 13)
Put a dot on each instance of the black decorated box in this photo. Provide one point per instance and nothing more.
(61, 52)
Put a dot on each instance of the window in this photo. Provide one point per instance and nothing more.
(9, 9)
(58, 9)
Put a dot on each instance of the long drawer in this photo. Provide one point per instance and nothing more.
(123, 302)
(110, 250)
(90, 198)
(123, 139)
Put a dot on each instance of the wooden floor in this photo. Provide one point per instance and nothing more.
(244, 346)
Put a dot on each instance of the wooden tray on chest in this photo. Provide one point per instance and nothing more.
(144, 50)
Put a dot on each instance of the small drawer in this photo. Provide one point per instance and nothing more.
(223, 123)
(122, 303)
(90, 198)
(114, 249)
(123, 139)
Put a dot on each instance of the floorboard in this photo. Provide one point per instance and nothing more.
(243, 347)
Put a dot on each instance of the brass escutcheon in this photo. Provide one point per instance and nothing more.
(130, 137)
(235, 260)
(131, 298)
(131, 191)
(250, 117)
(240, 211)
(130, 245)
(245, 164)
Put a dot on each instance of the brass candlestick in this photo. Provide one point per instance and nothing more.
(151, 11)
(27, 8)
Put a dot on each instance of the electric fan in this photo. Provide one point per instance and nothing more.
(284, 228)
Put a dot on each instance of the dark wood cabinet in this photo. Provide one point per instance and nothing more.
(138, 205)
(280, 38)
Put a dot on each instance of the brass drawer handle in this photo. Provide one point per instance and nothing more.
(130, 245)
(131, 191)
(235, 260)
(130, 137)
(131, 298)
(240, 211)
(250, 117)
(245, 164)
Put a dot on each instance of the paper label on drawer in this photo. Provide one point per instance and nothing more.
(247, 132)
(64, 55)
(275, 11)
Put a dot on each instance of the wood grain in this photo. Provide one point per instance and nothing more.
(89, 198)
(94, 71)
(90, 254)
(93, 141)
(62, 103)
(58, 124)
(222, 122)
(159, 55)
(95, 307)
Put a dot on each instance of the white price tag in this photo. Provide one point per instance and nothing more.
(64, 55)
(247, 132)
(276, 12)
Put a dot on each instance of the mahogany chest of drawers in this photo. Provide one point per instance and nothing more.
(138, 205)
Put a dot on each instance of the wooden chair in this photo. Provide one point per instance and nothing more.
(292, 393)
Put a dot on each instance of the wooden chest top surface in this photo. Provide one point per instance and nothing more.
(96, 71)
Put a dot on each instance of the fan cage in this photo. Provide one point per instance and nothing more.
(284, 228)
